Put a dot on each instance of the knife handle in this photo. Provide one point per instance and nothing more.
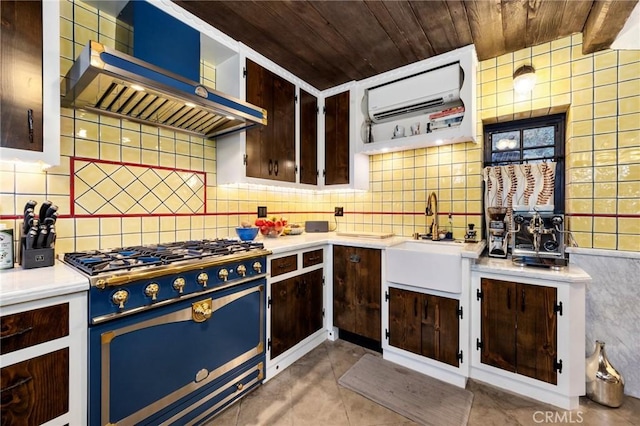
(31, 204)
(51, 238)
(50, 211)
(43, 210)
(41, 239)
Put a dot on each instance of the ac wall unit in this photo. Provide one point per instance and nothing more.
(415, 94)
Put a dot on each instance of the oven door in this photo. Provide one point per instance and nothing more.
(144, 365)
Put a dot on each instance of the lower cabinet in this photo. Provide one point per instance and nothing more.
(425, 324)
(356, 290)
(36, 390)
(519, 328)
(43, 354)
(296, 310)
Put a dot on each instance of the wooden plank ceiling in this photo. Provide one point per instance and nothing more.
(327, 43)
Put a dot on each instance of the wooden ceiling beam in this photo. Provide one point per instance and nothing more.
(606, 19)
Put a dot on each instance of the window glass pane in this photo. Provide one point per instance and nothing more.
(541, 136)
(505, 157)
(529, 154)
(505, 140)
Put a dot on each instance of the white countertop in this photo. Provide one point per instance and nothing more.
(19, 285)
(288, 243)
(570, 273)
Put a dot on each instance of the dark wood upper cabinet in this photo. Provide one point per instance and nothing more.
(308, 138)
(271, 148)
(21, 75)
(357, 278)
(336, 150)
(519, 328)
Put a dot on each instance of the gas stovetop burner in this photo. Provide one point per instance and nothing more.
(94, 262)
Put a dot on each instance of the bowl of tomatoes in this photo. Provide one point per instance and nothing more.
(271, 227)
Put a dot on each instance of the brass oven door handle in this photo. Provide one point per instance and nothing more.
(202, 310)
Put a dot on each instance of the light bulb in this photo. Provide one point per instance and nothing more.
(524, 79)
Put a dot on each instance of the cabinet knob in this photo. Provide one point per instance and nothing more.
(203, 278)
(179, 284)
(152, 291)
(120, 298)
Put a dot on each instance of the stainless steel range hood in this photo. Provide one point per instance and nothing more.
(109, 82)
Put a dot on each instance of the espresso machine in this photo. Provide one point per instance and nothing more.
(497, 231)
(538, 239)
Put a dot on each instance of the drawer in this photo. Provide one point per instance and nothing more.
(30, 328)
(283, 265)
(311, 258)
(36, 390)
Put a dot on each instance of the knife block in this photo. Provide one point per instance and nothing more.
(34, 258)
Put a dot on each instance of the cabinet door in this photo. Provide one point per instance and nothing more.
(283, 314)
(283, 142)
(259, 84)
(308, 138)
(440, 329)
(36, 390)
(21, 75)
(367, 265)
(536, 337)
(405, 312)
(356, 290)
(311, 304)
(271, 148)
(336, 144)
(344, 290)
(498, 324)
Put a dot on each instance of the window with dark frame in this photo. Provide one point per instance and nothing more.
(532, 140)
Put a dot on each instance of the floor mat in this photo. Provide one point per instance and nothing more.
(421, 398)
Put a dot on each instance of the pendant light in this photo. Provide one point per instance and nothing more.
(524, 79)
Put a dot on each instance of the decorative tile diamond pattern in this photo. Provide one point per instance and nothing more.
(123, 189)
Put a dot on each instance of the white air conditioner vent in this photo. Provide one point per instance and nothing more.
(416, 94)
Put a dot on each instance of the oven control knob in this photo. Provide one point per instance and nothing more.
(557, 220)
(178, 284)
(152, 290)
(203, 278)
(257, 266)
(242, 270)
(223, 274)
(120, 297)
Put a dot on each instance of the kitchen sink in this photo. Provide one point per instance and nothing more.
(434, 265)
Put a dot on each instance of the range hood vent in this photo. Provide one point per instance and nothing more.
(109, 82)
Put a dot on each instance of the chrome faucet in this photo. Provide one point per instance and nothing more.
(432, 210)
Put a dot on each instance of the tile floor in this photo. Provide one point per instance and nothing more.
(307, 393)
